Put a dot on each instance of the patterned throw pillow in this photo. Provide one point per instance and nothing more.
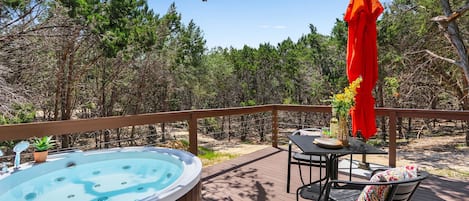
(376, 193)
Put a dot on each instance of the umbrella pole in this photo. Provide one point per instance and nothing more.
(363, 164)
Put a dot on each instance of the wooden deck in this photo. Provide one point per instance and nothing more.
(261, 176)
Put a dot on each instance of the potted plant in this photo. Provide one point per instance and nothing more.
(341, 105)
(41, 146)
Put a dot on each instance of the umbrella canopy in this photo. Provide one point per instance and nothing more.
(362, 60)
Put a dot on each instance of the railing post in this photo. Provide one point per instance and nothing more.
(274, 127)
(193, 135)
(392, 139)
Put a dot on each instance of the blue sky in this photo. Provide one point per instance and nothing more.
(234, 23)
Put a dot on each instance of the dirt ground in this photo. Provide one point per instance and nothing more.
(232, 147)
(443, 155)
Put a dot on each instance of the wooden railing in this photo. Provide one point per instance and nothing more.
(38, 129)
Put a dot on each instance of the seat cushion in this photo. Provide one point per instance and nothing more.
(307, 158)
(343, 194)
(375, 193)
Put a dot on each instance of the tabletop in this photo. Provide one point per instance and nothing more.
(305, 143)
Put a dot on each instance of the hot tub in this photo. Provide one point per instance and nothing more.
(127, 174)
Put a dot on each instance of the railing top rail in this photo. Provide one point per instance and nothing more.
(304, 108)
(425, 113)
(38, 129)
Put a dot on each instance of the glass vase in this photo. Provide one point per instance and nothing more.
(342, 133)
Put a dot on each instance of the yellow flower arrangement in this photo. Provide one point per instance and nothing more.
(341, 103)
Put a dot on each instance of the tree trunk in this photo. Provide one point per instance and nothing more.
(107, 138)
(151, 137)
(58, 88)
(229, 129)
(68, 109)
(467, 138)
(118, 134)
(262, 129)
(223, 127)
(381, 104)
(300, 121)
(465, 105)
(448, 25)
(132, 135)
(103, 92)
(60, 91)
(163, 132)
(399, 127)
(243, 128)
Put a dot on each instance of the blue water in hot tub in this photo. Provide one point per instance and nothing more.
(125, 179)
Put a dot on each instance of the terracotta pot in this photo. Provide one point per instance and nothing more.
(40, 156)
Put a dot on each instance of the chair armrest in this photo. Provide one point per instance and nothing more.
(365, 183)
(378, 170)
(341, 183)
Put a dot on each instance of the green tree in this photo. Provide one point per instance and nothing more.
(18, 19)
(190, 73)
(96, 30)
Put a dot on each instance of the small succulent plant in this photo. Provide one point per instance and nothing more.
(44, 143)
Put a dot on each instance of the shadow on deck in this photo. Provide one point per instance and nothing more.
(261, 176)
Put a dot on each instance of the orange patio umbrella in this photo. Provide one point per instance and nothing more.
(362, 60)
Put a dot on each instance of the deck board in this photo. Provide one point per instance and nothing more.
(261, 176)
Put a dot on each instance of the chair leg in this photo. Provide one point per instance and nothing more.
(297, 194)
(350, 168)
(320, 174)
(310, 168)
(301, 174)
(289, 168)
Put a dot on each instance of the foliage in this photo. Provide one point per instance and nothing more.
(44, 143)
(117, 23)
(8, 144)
(376, 142)
(207, 155)
(406, 34)
(342, 102)
(24, 113)
(211, 124)
(178, 144)
(392, 86)
(248, 103)
(210, 157)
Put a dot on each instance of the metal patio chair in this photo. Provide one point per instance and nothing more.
(401, 190)
(301, 159)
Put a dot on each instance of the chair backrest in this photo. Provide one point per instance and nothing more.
(404, 190)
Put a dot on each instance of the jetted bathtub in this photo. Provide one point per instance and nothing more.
(123, 174)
